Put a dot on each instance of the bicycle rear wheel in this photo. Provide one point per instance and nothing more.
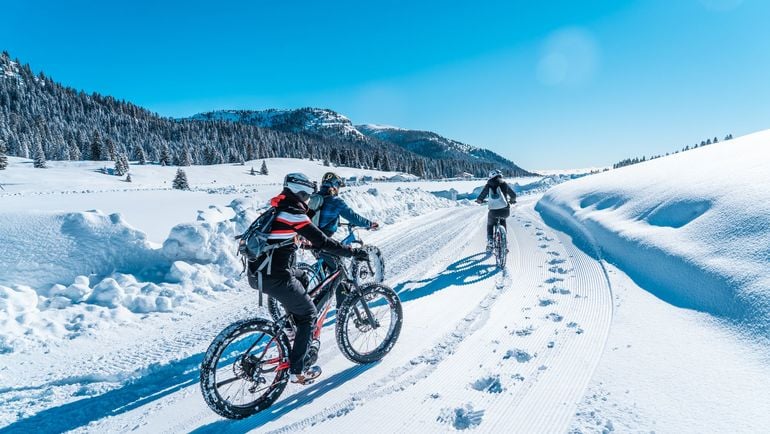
(245, 368)
(369, 323)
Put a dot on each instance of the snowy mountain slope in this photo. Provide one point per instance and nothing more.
(693, 228)
(324, 122)
(330, 124)
(431, 144)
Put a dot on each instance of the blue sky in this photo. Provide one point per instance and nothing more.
(549, 84)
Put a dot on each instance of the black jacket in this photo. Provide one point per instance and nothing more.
(504, 188)
(292, 219)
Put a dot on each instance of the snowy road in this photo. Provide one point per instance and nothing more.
(479, 349)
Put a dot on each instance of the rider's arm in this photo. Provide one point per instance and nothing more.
(320, 241)
(511, 193)
(484, 193)
(353, 217)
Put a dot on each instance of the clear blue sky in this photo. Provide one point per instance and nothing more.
(548, 84)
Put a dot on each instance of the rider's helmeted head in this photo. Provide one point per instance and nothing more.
(332, 182)
(495, 173)
(300, 185)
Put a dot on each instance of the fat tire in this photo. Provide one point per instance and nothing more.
(341, 327)
(208, 370)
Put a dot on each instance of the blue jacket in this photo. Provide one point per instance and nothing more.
(332, 209)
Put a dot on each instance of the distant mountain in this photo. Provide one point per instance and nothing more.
(324, 122)
(330, 124)
(42, 119)
(428, 143)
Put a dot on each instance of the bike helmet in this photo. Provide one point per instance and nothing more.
(300, 185)
(495, 173)
(331, 179)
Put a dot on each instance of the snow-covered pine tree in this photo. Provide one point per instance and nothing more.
(263, 169)
(180, 180)
(326, 162)
(140, 155)
(3, 157)
(252, 172)
(111, 151)
(39, 158)
(128, 177)
(120, 170)
(165, 156)
(73, 150)
(185, 159)
(96, 146)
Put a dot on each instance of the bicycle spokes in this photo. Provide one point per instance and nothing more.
(248, 368)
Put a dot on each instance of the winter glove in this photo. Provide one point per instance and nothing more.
(360, 255)
(374, 226)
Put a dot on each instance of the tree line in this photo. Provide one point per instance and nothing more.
(635, 160)
(44, 120)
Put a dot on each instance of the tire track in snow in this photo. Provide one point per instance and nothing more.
(416, 245)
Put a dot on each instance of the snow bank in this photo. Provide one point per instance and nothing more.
(65, 274)
(693, 228)
(42, 249)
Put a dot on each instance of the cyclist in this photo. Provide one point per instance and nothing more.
(282, 281)
(501, 196)
(332, 207)
(328, 207)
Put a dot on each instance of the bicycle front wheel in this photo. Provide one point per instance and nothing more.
(369, 323)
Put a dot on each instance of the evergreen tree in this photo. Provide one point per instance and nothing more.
(141, 157)
(263, 169)
(326, 162)
(110, 151)
(96, 146)
(39, 161)
(185, 159)
(121, 164)
(165, 156)
(3, 157)
(715, 140)
(180, 180)
(252, 172)
(74, 151)
(128, 177)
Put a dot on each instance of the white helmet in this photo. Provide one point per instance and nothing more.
(495, 173)
(300, 185)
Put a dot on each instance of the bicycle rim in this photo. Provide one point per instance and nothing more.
(248, 369)
(370, 323)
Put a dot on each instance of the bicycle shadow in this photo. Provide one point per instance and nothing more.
(162, 381)
(287, 404)
(466, 271)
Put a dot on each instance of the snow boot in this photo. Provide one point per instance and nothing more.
(307, 377)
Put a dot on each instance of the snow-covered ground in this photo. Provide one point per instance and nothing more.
(105, 315)
(687, 237)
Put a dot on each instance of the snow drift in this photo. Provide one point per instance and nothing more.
(693, 228)
(94, 270)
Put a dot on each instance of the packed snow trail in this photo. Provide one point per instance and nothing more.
(478, 349)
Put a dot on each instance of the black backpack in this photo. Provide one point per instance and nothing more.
(252, 245)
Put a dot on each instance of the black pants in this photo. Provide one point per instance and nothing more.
(286, 287)
(492, 217)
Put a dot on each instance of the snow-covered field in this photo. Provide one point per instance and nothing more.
(110, 292)
(688, 237)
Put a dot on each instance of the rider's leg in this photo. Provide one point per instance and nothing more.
(287, 289)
